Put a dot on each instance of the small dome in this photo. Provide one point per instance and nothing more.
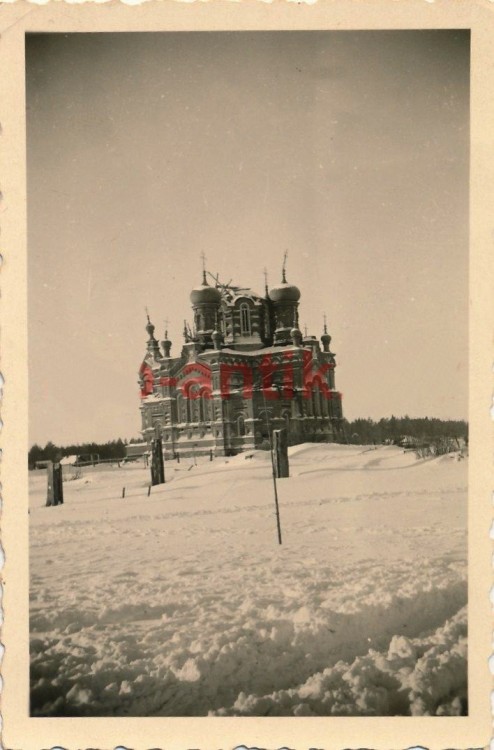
(326, 338)
(149, 328)
(205, 293)
(284, 293)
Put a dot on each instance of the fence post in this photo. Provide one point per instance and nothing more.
(54, 495)
(157, 463)
(280, 448)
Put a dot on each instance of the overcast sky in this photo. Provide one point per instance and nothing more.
(349, 149)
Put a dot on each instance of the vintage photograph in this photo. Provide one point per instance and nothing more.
(248, 316)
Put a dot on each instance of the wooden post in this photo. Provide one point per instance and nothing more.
(54, 495)
(149, 490)
(280, 447)
(157, 463)
(123, 492)
(273, 470)
(58, 471)
(276, 503)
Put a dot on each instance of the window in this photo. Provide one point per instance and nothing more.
(245, 319)
(204, 409)
(240, 426)
(315, 401)
(183, 408)
(266, 322)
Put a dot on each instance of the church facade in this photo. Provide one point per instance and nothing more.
(245, 369)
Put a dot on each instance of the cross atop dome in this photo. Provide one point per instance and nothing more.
(283, 270)
(203, 259)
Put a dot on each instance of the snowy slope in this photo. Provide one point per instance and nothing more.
(183, 603)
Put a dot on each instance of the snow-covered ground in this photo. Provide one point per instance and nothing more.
(183, 603)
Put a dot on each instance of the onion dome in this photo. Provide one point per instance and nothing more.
(205, 293)
(150, 328)
(325, 338)
(166, 344)
(284, 292)
(152, 345)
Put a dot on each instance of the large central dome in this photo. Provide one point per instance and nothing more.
(284, 292)
(205, 293)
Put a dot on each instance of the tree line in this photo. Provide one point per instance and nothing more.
(112, 449)
(393, 429)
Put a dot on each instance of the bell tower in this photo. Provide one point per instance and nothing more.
(205, 301)
(285, 299)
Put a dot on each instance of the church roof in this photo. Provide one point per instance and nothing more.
(231, 293)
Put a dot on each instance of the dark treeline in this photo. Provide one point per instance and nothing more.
(393, 429)
(359, 431)
(51, 452)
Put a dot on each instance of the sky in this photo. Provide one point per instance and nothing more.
(348, 149)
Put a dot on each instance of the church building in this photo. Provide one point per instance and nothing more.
(245, 369)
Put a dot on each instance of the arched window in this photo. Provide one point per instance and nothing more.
(324, 403)
(240, 426)
(183, 408)
(315, 401)
(309, 402)
(195, 409)
(201, 410)
(245, 319)
(201, 405)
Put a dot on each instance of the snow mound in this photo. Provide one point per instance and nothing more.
(423, 676)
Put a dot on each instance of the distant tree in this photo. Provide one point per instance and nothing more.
(35, 454)
(51, 451)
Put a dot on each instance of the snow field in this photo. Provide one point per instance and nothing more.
(183, 603)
